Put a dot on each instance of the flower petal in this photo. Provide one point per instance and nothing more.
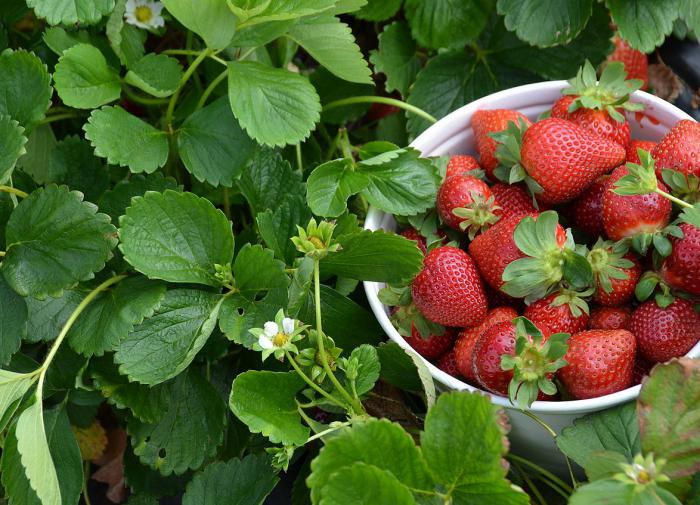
(264, 342)
(271, 329)
(288, 325)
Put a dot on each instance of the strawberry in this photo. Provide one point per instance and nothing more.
(681, 269)
(465, 203)
(432, 347)
(629, 215)
(599, 362)
(448, 364)
(412, 234)
(513, 200)
(609, 318)
(485, 122)
(562, 312)
(633, 154)
(642, 368)
(587, 210)
(498, 298)
(461, 163)
(448, 289)
(665, 333)
(466, 340)
(524, 256)
(518, 359)
(560, 109)
(635, 62)
(679, 149)
(615, 272)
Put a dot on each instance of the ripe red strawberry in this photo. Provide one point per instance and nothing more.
(600, 123)
(512, 199)
(667, 333)
(448, 289)
(564, 159)
(448, 364)
(495, 249)
(560, 312)
(615, 272)
(642, 368)
(412, 234)
(628, 215)
(498, 298)
(560, 109)
(495, 362)
(600, 362)
(461, 163)
(466, 203)
(587, 210)
(466, 340)
(679, 149)
(609, 318)
(485, 122)
(434, 346)
(633, 154)
(635, 62)
(681, 269)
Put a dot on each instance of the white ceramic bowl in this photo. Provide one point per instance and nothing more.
(453, 135)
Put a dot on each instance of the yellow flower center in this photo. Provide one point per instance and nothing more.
(280, 339)
(143, 13)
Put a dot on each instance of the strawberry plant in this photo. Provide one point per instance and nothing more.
(183, 187)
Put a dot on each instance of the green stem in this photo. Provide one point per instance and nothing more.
(356, 404)
(554, 437)
(674, 199)
(187, 52)
(345, 145)
(59, 117)
(14, 191)
(300, 161)
(186, 77)
(247, 53)
(311, 383)
(326, 432)
(210, 89)
(531, 485)
(86, 478)
(380, 99)
(542, 471)
(142, 99)
(67, 326)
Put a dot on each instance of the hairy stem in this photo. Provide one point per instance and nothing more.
(210, 89)
(59, 117)
(13, 191)
(546, 473)
(674, 199)
(143, 100)
(186, 77)
(380, 99)
(554, 437)
(311, 383)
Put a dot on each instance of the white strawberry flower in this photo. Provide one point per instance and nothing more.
(278, 336)
(144, 14)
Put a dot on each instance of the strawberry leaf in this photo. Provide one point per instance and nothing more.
(571, 18)
(396, 57)
(643, 23)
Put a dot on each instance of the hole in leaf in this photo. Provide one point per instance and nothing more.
(161, 453)
(241, 311)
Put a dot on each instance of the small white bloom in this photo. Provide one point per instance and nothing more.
(265, 342)
(288, 325)
(271, 329)
(144, 14)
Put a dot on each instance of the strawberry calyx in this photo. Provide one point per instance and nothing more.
(574, 299)
(406, 315)
(479, 215)
(683, 186)
(534, 362)
(510, 168)
(651, 283)
(547, 262)
(608, 262)
(640, 179)
(609, 93)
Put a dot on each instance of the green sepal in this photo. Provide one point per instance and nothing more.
(683, 186)
(691, 215)
(532, 362)
(640, 179)
(607, 261)
(646, 285)
(407, 314)
(478, 216)
(575, 301)
(577, 270)
(510, 169)
(610, 93)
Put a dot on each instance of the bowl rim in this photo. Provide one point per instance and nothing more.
(426, 142)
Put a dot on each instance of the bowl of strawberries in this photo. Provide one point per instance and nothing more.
(562, 257)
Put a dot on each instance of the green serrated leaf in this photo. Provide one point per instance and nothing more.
(12, 142)
(614, 429)
(47, 316)
(58, 39)
(559, 22)
(164, 344)
(190, 430)
(368, 372)
(54, 227)
(112, 316)
(70, 12)
(73, 163)
(126, 140)
(213, 146)
(236, 482)
(361, 483)
(278, 226)
(405, 185)
(690, 13)
(13, 323)
(668, 404)
(25, 87)
(116, 200)
(331, 184)
(252, 12)
(376, 256)
(644, 24)
(13, 386)
(210, 19)
(444, 23)
(396, 57)
(35, 162)
(84, 79)
(378, 10)
(266, 403)
(275, 106)
(125, 40)
(404, 369)
(615, 491)
(156, 74)
(176, 237)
